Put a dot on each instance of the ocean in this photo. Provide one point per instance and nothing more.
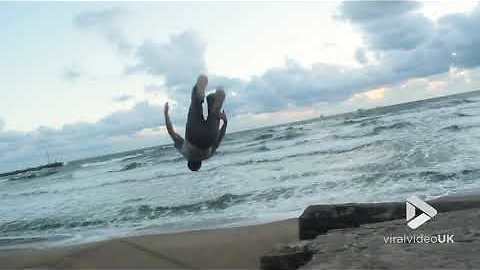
(428, 148)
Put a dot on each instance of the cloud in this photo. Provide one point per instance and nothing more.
(180, 60)
(361, 56)
(2, 124)
(388, 25)
(457, 35)
(71, 74)
(407, 45)
(357, 11)
(153, 88)
(416, 50)
(452, 42)
(115, 132)
(404, 43)
(121, 123)
(122, 98)
(107, 23)
(405, 48)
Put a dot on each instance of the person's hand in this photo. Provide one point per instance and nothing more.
(223, 116)
(165, 109)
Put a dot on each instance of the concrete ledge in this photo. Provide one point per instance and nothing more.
(318, 219)
(365, 247)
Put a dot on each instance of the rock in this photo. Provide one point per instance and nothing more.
(287, 257)
(368, 247)
(356, 245)
(318, 219)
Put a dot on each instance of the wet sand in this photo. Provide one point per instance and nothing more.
(238, 248)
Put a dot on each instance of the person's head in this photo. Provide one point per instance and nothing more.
(194, 165)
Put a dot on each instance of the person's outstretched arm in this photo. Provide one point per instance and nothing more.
(177, 139)
(223, 129)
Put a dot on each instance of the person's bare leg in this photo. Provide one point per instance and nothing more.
(201, 85)
(196, 121)
(215, 103)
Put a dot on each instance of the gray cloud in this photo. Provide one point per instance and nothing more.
(179, 61)
(360, 11)
(71, 74)
(110, 134)
(143, 115)
(2, 124)
(416, 49)
(406, 44)
(389, 25)
(297, 86)
(121, 123)
(361, 56)
(152, 88)
(452, 42)
(400, 57)
(122, 98)
(107, 23)
(459, 34)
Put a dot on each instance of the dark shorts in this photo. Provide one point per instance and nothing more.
(200, 132)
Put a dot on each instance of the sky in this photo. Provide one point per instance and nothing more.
(82, 79)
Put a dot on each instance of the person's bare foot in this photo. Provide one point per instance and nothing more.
(219, 98)
(201, 85)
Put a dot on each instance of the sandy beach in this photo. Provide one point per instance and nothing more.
(238, 248)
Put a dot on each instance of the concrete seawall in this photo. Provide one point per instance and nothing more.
(323, 243)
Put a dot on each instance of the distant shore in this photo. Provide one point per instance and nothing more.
(33, 169)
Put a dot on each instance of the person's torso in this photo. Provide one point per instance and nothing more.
(194, 153)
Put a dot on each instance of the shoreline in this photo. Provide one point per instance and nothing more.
(286, 244)
(44, 242)
(237, 247)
